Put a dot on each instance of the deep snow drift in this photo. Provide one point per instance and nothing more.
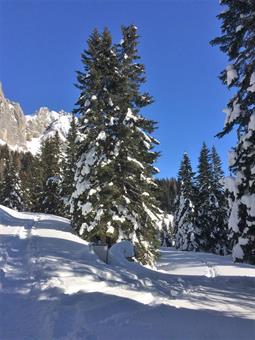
(54, 287)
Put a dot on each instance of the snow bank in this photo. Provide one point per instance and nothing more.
(119, 253)
(53, 287)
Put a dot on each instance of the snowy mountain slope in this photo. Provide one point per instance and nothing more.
(26, 132)
(44, 124)
(54, 287)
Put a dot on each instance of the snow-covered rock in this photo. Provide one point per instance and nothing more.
(44, 124)
(120, 252)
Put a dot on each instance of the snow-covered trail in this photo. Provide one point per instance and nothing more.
(54, 287)
(212, 282)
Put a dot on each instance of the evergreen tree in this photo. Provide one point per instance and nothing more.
(4, 155)
(166, 194)
(69, 164)
(204, 200)
(11, 191)
(113, 179)
(35, 184)
(26, 175)
(184, 218)
(238, 42)
(167, 230)
(50, 198)
(220, 207)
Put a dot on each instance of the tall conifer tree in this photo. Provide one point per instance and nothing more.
(204, 200)
(12, 194)
(186, 237)
(113, 180)
(238, 42)
(219, 207)
(51, 199)
(69, 164)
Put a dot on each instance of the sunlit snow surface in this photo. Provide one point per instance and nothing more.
(54, 287)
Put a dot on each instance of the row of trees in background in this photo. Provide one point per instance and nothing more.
(41, 183)
(24, 178)
(200, 221)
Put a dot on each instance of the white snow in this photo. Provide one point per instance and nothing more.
(251, 125)
(101, 136)
(86, 208)
(251, 88)
(120, 251)
(249, 201)
(237, 251)
(53, 287)
(232, 114)
(110, 102)
(54, 122)
(135, 161)
(230, 184)
(231, 74)
(238, 28)
(231, 157)
(130, 116)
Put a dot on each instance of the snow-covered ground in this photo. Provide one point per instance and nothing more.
(54, 287)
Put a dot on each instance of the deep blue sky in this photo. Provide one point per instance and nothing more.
(41, 43)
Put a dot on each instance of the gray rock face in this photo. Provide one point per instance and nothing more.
(27, 132)
(37, 123)
(12, 122)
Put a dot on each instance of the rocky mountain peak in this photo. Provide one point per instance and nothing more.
(12, 122)
(27, 131)
(1, 91)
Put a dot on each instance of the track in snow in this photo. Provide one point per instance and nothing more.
(55, 288)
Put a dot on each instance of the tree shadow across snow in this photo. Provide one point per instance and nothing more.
(96, 316)
(30, 309)
(65, 263)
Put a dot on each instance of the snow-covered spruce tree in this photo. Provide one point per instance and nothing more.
(238, 42)
(184, 217)
(205, 201)
(12, 194)
(113, 198)
(50, 198)
(220, 206)
(69, 163)
(167, 230)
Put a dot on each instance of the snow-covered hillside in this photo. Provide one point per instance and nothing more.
(54, 287)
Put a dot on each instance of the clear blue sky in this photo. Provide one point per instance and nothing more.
(41, 43)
